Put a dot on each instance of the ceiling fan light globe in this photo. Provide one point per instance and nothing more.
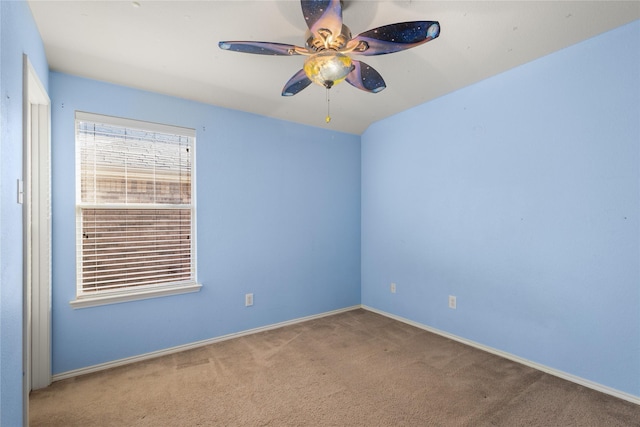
(328, 68)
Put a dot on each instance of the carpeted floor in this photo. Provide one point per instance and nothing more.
(352, 369)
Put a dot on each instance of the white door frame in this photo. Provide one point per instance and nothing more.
(36, 234)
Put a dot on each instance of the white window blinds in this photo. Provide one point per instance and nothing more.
(134, 204)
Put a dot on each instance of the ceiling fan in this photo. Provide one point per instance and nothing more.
(329, 44)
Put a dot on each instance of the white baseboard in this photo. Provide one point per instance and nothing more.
(560, 374)
(177, 349)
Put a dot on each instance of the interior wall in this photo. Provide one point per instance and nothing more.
(278, 215)
(520, 196)
(18, 36)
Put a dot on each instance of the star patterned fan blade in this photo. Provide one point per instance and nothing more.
(394, 37)
(261, 48)
(296, 83)
(365, 77)
(322, 16)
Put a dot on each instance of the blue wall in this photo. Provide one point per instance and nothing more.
(278, 214)
(520, 195)
(18, 35)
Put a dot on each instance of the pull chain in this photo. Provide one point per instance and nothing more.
(328, 118)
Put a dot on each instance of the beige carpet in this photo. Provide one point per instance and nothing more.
(352, 369)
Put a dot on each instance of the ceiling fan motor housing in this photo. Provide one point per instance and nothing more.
(325, 39)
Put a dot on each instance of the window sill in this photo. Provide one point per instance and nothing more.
(134, 295)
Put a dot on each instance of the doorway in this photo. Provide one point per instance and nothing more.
(36, 190)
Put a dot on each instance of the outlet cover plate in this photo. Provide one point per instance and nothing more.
(452, 302)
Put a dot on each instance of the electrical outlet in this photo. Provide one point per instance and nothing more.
(452, 302)
(393, 288)
(248, 300)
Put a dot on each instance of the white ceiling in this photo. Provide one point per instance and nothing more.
(171, 47)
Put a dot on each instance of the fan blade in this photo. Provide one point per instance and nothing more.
(296, 83)
(261, 48)
(394, 37)
(321, 15)
(365, 77)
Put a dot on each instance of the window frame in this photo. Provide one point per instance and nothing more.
(111, 296)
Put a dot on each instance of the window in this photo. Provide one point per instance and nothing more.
(135, 210)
